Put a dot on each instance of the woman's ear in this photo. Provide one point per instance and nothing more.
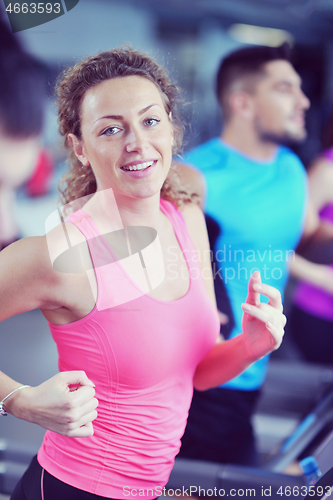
(77, 146)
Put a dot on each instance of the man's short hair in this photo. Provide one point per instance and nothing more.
(246, 65)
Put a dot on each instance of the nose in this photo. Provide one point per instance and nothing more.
(135, 140)
(303, 100)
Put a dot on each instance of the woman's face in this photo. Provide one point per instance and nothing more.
(127, 136)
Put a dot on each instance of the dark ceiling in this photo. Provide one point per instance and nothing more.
(309, 21)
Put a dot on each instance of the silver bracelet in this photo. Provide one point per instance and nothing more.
(3, 412)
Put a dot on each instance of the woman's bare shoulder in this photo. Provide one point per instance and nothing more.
(26, 255)
(195, 222)
(196, 225)
(191, 211)
(30, 274)
(27, 279)
(37, 254)
(192, 180)
(67, 248)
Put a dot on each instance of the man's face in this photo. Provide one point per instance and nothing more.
(279, 104)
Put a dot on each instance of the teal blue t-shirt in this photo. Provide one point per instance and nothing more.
(260, 208)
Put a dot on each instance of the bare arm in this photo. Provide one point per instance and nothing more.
(28, 282)
(321, 183)
(27, 278)
(196, 226)
(317, 240)
(319, 275)
(194, 182)
(262, 327)
(262, 323)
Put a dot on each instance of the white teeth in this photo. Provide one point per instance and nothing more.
(139, 166)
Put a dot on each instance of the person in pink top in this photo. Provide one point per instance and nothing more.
(124, 279)
(310, 321)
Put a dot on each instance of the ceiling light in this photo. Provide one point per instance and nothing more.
(257, 35)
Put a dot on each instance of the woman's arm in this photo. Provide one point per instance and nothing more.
(262, 323)
(317, 239)
(194, 182)
(196, 225)
(27, 281)
(320, 195)
(262, 327)
(319, 275)
(321, 183)
(54, 405)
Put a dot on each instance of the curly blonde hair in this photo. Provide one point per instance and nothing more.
(72, 84)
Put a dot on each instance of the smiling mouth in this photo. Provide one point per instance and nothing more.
(139, 166)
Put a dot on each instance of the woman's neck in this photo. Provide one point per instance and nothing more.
(114, 212)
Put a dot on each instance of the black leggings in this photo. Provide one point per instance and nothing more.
(37, 484)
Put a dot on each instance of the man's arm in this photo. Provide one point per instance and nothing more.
(262, 323)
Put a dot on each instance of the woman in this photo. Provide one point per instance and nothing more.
(311, 317)
(134, 352)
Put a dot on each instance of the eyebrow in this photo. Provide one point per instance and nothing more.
(120, 117)
(287, 82)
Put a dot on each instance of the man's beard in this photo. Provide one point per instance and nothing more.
(284, 138)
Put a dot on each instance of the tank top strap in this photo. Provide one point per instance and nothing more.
(109, 271)
(100, 251)
(83, 222)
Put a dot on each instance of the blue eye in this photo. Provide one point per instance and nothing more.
(151, 121)
(110, 131)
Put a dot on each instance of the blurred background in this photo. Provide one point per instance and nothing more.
(189, 37)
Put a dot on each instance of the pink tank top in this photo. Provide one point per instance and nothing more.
(308, 297)
(142, 356)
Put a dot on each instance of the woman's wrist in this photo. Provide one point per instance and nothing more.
(246, 349)
(16, 402)
(255, 350)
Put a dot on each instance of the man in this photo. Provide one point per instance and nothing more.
(256, 191)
